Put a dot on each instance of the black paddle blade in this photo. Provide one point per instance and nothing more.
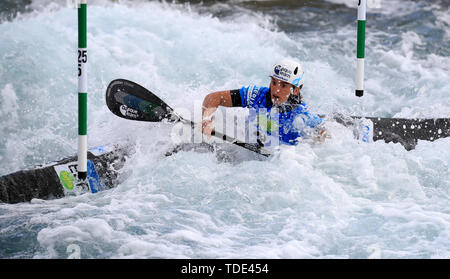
(131, 101)
(402, 130)
(409, 131)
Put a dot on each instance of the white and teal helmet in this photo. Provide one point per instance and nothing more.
(289, 71)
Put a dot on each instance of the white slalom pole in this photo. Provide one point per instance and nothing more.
(82, 90)
(361, 37)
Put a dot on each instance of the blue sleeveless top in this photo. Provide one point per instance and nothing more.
(291, 124)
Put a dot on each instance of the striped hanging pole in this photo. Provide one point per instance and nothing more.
(82, 90)
(361, 37)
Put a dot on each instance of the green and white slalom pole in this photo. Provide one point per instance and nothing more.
(82, 90)
(361, 38)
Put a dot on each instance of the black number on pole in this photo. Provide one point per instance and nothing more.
(82, 58)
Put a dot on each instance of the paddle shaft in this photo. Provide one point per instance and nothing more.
(255, 148)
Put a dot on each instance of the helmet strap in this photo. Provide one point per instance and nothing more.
(295, 98)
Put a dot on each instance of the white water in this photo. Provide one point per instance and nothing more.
(341, 199)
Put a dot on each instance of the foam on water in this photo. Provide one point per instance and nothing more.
(340, 199)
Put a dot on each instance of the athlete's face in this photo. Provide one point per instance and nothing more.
(280, 91)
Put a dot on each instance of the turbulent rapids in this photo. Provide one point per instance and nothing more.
(342, 198)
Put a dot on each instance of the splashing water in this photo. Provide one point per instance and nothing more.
(341, 199)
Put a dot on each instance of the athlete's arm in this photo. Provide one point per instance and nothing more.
(322, 133)
(212, 101)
